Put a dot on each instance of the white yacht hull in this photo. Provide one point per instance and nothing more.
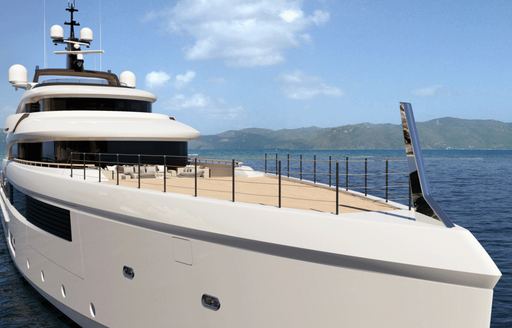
(268, 267)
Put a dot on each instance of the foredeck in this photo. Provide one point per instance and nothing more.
(264, 190)
(232, 181)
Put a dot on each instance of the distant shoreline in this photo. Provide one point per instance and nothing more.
(438, 134)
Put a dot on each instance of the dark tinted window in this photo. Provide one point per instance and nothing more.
(52, 219)
(60, 151)
(106, 104)
(32, 107)
(60, 80)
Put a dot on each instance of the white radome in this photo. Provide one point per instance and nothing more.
(56, 32)
(18, 74)
(128, 79)
(86, 34)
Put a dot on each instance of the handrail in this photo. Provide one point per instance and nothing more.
(46, 164)
(111, 78)
(360, 178)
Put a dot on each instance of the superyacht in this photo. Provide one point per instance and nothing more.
(110, 219)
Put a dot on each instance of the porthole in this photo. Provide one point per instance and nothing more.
(63, 291)
(42, 275)
(128, 272)
(92, 310)
(210, 302)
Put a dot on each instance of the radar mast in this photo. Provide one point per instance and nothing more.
(74, 52)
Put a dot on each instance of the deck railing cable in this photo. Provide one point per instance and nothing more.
(363, 175)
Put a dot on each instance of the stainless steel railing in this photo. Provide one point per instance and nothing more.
(371, 177)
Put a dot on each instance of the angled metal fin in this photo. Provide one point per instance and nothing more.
(422, 200)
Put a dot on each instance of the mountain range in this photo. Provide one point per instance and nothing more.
(442, 133)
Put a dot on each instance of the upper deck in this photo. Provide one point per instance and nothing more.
(50, 91)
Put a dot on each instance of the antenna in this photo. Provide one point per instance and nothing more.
(44, 34)
(101, 33)
(72, 23)
(75, 55)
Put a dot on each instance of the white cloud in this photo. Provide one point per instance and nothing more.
(197, 100)
(157, 79)
(320, 17)
(240, 32)
(428, 91)
(299, 86)
(184, 79)
(291, 15)
(204, 106)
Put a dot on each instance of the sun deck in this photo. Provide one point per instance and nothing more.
(264, 190)
(215, 179)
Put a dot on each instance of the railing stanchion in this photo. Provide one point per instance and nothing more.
(366, 176)
(288, 166)
(346, 173)
(387, 180)
(276, 164)
(165, 173)
(233, 180)
(265, 162)
(314, 168)
(71, 162)
(330, 170)
(195, 176)
(117, 169)
(300, 167)
(138, 171)
(84, 166)
(410, 194)
(99, 167)
(337, 188)
(279, 168)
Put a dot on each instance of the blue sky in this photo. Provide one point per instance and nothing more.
(220, 65)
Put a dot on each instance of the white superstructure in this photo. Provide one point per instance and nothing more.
(108, 252)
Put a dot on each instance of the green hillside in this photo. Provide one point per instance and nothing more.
(440, 133)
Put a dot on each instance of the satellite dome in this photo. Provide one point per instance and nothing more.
(86, 34)
(128, 79)
(18, 74)
(56, 32)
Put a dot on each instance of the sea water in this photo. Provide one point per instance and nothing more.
(474, 187)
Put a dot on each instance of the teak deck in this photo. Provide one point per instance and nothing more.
(265, 190)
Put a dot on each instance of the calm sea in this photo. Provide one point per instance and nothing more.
(474, 187)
